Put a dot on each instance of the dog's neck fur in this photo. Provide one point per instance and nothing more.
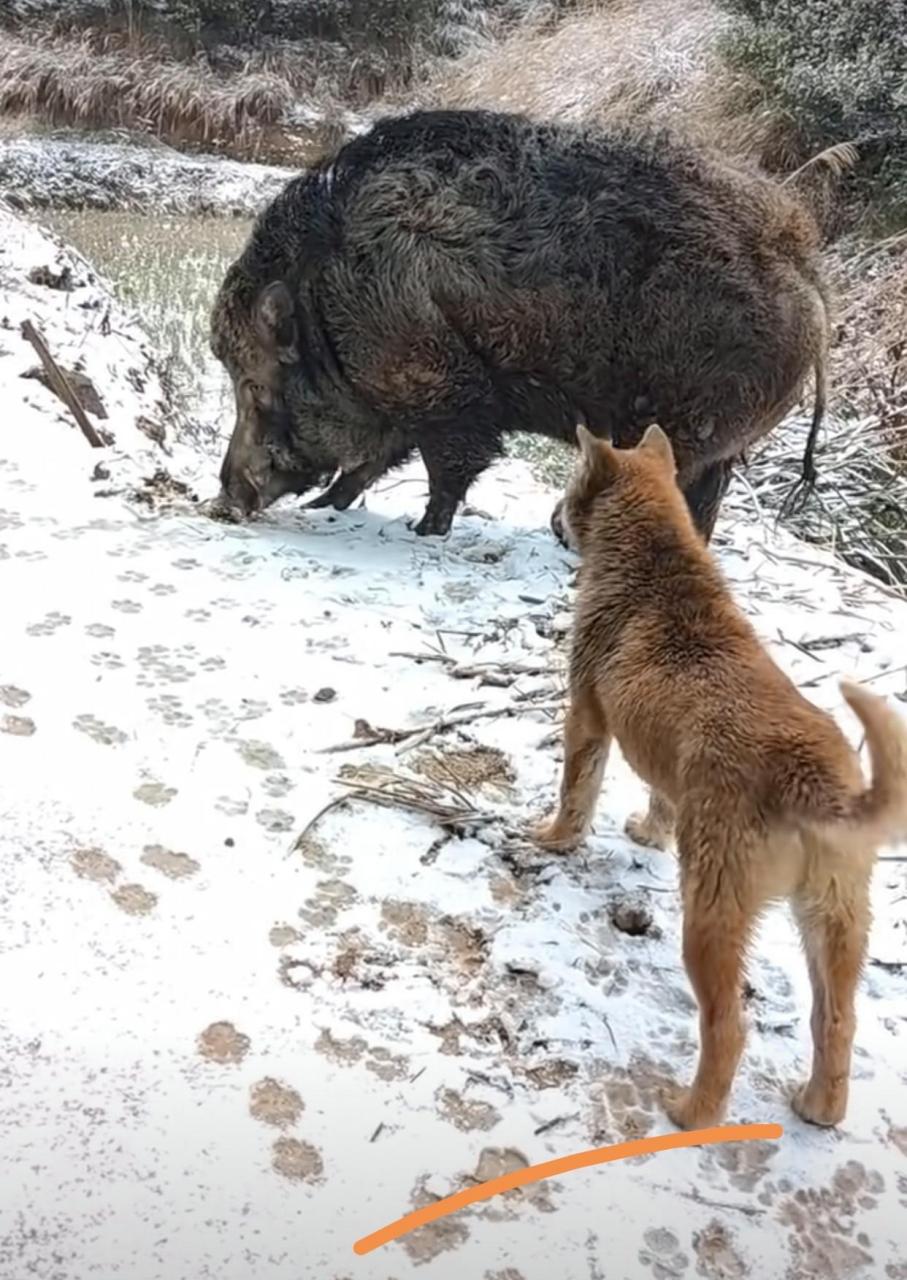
(643, 564)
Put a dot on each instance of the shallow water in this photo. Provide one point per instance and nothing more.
(169, 267)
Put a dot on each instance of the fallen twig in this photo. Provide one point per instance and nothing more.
(60, 383)
(313, 822)
(409, 739)
(487, 672)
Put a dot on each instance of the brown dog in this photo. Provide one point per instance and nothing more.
(765, 794)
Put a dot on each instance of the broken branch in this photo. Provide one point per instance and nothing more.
(59, 382)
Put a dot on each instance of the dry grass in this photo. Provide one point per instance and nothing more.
(620, 63)
(859, 506)
(92, 83)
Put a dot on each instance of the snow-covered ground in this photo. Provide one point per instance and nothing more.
(228, 1051)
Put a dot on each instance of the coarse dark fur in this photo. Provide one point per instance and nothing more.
(765, 796)
(450, 277)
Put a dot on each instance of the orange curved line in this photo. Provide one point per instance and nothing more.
(564, 1164)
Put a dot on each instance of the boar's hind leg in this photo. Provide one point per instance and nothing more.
(454, 455)
(705, 493)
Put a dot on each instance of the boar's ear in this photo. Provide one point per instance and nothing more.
(657, 443)
(275, 322)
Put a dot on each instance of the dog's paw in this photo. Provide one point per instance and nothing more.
(822, 1107)
(638, 828)
(689, 1112)
(553, 836)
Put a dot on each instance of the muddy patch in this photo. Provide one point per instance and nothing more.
(661, 1252)
(134, 899)
(466, 769)
(155, 794)
(106, 735)
(343, 1052)
(823, 1239)
(745, 1163)
(467, 1115)
(12, 696)
(221, 1042)
(284, 935)
(260, 755)
(176, 866)
(330, 899)
(498, 1162)
(274, 1103)
(94, 864)
(377, 1059)
(629, 1099)
(298, 1161)
(17, 726)
(716, 1257)
(429, 1242)
(316, 854)
(415, 926)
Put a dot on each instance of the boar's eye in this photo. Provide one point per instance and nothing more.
(261, 394)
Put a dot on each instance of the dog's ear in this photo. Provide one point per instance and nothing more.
(657, 443)
(599, 458)
(587, 442)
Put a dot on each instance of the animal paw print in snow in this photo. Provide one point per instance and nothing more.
(50, 623)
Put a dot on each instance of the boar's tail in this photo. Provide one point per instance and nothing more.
(802, 490)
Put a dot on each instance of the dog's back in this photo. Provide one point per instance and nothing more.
(694, 699)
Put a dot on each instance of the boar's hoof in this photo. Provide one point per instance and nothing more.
(434, 524)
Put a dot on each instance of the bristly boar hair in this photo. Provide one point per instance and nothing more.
(454, 276)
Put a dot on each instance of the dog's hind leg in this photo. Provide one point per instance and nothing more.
(586, 743)
(718, 916)
(835, 927)
(656, 826)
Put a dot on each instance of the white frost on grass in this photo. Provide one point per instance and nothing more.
(71, 172)
(444, 1009)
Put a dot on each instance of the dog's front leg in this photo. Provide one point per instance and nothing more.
(586, 743)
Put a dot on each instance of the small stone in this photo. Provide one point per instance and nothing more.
(325, 695)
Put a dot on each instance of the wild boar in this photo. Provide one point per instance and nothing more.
(454, 276)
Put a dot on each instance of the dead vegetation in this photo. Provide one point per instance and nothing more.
(859, 505)
(92, 82)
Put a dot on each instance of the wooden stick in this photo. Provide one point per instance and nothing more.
(58, 380)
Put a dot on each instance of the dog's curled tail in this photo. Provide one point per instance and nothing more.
(882, 809)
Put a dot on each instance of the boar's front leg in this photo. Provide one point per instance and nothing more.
(704, 495)
(343, 491)
(454, 456)
(347, 487)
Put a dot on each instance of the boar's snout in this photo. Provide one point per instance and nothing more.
(243, 477)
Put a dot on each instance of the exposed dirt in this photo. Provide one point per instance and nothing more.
(221, 1042)
(275, 1103)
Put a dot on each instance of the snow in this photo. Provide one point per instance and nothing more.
(445, 1009)
(66, 171)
